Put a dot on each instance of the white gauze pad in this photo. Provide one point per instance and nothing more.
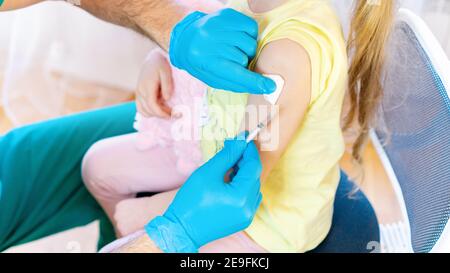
(279, 81)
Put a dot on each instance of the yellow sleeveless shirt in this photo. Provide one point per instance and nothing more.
(297, 207)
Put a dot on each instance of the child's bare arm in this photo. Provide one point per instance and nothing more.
(291, 61)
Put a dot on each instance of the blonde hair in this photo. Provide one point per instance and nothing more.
(369, 31)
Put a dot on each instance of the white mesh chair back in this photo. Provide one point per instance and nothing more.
(414, 131)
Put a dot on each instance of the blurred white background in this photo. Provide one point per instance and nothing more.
(53, 54)
(70, 40)
(54, 57)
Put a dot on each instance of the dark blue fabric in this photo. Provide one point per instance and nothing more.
(355, 226)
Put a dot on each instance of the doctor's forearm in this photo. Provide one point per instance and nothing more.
(142, 244)
(153, 18)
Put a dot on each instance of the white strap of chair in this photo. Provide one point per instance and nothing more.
(394, 238)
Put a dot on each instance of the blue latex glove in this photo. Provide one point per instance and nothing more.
(217, 48)
(206, 208)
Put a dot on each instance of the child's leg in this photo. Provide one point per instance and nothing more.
(133, 214)
(114, 170)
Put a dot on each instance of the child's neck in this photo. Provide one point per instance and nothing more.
(260, 6)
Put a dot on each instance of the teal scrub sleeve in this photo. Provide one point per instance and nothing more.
(40, 173)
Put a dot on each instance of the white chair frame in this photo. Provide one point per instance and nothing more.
(441, 64)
